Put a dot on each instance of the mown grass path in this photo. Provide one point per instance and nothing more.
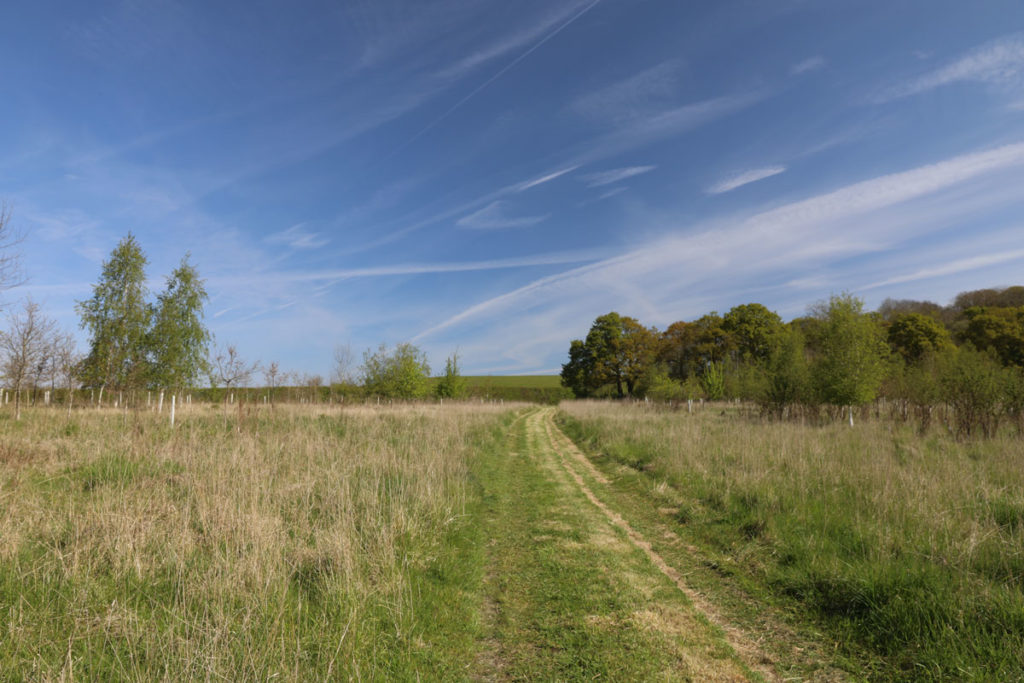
(571, 591)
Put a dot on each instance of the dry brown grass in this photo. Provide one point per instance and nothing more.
(244, 543)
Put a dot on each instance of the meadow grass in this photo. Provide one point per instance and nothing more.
(295, 543)
(907, 549)
(545, 389)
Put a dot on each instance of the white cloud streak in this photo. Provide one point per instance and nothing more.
(951, 268)
(495, 216)
(745, 178)
(608, 194)
(999, 63)
(639, 133)
(495, 76)
(407, 269)
(645, 130)
(297, 238)
(807, 65)
(641, 95)
(512, 42)
(615, 175)
(544, 179)
(817, 230)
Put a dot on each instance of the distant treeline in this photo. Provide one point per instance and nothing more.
(966, 359)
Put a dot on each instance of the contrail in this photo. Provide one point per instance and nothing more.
(493, 78)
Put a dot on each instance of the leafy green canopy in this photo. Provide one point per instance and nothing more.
(402, 373)
(851, 362)
(618, 351)
(117, 318)
(452, 384)
(134, 343)
(178, 340)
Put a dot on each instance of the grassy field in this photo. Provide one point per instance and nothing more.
(472, 541)
(314, 542)
(907, 550)
(293, 544)
(533, 388)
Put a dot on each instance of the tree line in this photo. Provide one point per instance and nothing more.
(966, 358)
(140, 342)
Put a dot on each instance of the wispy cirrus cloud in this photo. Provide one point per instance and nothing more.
(745, 178)
(497, 75)
(759, 252)
(495, 216)
(297, 237)
(810, 64)
(615, 175)
(276, 278)
(999, 63)
(952, 267)
(643, 94)
(664, 123)
(608, 194)
(544, 179)
(637, 134)
(515, 40)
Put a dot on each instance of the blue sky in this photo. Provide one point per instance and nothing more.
(489, 177)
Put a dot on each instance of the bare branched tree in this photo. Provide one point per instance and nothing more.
(272, 376)
(313, 383)
(65, 363)
(10, 258)
(344, 365)
(25, 347)
(230, 370)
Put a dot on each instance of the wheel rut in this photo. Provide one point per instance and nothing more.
(547, 436)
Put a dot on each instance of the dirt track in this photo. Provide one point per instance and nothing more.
(571, 583)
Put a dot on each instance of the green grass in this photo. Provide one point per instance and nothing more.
(907, 550)
(570, 598)
(545, 389)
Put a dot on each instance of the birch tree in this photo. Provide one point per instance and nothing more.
(117, 318)
(179, 341)
(851, 362)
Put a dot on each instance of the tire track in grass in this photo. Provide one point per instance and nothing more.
(568, 596)
(491, 661)
(572, 458)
